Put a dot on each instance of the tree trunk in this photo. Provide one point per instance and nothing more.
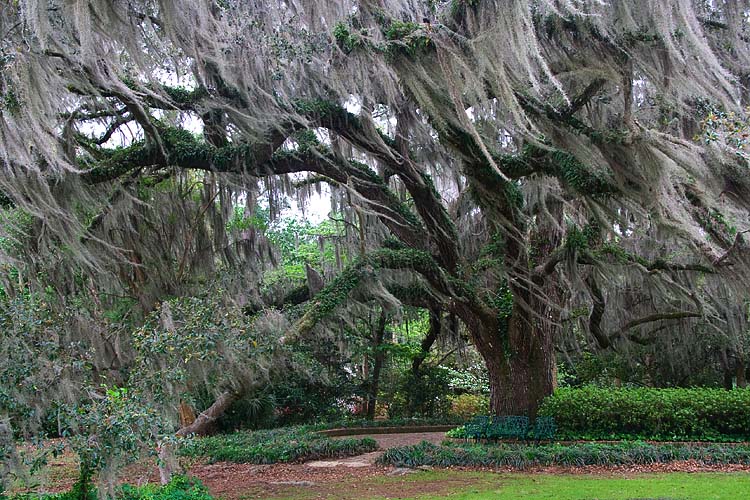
(520, 360)
(728, 380)
(741, 380)
(202, 423)
(377, 367)
(167, 463)
(427, 341)
(8, 455)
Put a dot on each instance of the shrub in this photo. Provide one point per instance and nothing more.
(457, 433)
(654, 414)
(292, 444)
(466, 406)
(422, 395)
(521, 456)
(179, 488)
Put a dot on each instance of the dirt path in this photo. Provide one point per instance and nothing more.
(385, 441)
(229, 481)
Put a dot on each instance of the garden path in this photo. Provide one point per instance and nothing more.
(385, 441)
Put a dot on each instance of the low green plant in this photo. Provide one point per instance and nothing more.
(291, 444)
(179, 488)
(457, 433)
(650, 414)
(521, 456)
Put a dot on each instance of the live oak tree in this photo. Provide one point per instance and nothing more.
(501, 161)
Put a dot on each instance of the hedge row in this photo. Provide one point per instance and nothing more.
(523, 456)
(652, 414)
(291, 444)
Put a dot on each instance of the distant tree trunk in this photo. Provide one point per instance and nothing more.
(167, 462)
(202, 424)
(8, 455)
(741, 368)
(378, 360)
(187, 414)
(727, 371)
(427, 341)
(728, 380)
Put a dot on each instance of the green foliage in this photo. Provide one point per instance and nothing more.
(300, 399)
(457, 433)
(654, 414)
(240, 221)
(336, 293)
(425, 394)
(110, 430)
(289, 444)
(729, 129)
(398, 30)
(581, 178)
(467, 405)
(193, 335)
(10, 102)
(522, 456)
(407, 38)
(346, 39)
(583, 238)
(179, 488)
(253, 411)
(16, 226)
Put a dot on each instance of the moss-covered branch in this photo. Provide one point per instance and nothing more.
(334, 295)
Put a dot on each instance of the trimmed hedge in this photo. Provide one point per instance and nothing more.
(652, 414)
(523, 456)
(291, 444)
(394, 422)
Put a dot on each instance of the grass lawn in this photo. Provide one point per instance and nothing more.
(662, 486)
(479, 486)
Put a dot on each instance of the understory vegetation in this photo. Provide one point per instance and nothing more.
(290, 444)
(652, 414)
(520, 456)
(179, 488)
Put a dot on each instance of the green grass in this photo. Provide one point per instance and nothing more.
(653, 486)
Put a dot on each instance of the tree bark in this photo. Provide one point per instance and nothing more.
(202, 424)
(378, 360)
(519, 355)
(427, 341)
(522, 377)
(741, 380)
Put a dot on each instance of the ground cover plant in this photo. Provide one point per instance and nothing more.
(522, 456)
(698, 414)
(179, 488)
(290, 444)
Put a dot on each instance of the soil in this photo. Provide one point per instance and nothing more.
(358, 477)
(347, 478)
